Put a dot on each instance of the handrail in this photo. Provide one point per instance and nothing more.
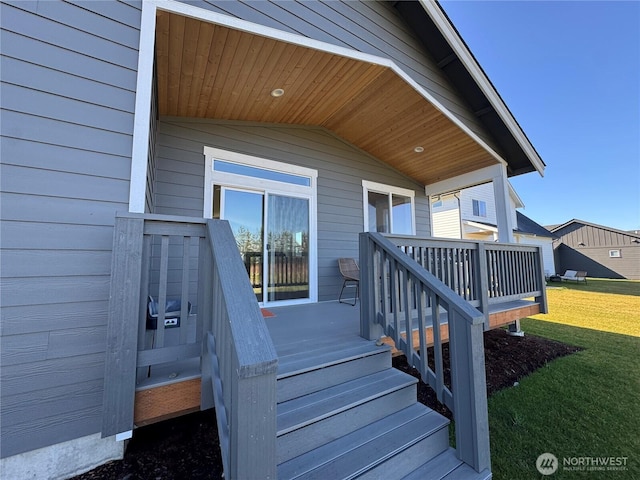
(398, 297)
(240, 362)
(483, 273)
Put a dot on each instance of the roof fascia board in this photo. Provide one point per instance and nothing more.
(481, 226)
(515, 197)
(595, 225)
(457, 44)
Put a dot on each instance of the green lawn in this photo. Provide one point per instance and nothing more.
(583, 405)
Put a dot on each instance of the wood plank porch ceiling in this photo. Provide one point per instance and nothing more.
(211, 71)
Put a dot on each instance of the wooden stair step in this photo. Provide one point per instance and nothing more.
(318, 343)
(327, 452)
(299, 412)
(291, 386)
(310, 359)
(446, 466)
(364, 453)
(308, 422)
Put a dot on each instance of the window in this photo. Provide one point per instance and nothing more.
(479, 208)
(614, 254)
(388, 209)
(437, 204)
(256, 172)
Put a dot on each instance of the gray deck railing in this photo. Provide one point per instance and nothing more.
(399, 296)
(197, 261)
(483, 273)
(153, 255)
(240, 363)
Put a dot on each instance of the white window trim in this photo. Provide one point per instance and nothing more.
(368, 186)
(232, 180)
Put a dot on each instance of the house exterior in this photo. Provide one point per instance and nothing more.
(471, 214)
(602, 252)
(302, 124)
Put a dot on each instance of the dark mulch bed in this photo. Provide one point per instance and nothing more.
(187, 447)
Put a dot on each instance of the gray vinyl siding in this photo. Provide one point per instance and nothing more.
(370, 27)
(68, 77)
(341, 169)
(586, 247)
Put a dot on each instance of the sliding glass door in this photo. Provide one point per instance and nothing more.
(245, 212)
(287, 248)
(271, 207)
(272, 233)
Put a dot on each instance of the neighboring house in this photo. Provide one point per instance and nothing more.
(127, 127)
(532, 233)
(602, 252)
(471, 214)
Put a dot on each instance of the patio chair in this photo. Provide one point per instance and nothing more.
(351, 277)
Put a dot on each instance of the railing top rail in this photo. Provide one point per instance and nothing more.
(255, 351)
(404, 240)
(455, 242)
(522, 247)
(162, 218)
(471, 314)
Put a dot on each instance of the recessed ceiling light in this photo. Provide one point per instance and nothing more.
(278, 92)
(418, 149)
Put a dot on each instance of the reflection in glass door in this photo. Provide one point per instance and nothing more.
(286, 244)
(287, 248)
(245, 212)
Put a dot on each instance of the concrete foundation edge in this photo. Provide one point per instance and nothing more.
(63, 460)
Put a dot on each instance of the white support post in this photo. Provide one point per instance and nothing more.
(503, 206)
(505, 225)
(142, 114)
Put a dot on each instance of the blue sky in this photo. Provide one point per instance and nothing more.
(570, 74)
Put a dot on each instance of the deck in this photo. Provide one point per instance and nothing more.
(173, 389)
(220, 346)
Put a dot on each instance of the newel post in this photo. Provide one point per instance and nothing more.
(369, 329)
(122, 327)
(469, 387)
(482, 282)
(542, 283)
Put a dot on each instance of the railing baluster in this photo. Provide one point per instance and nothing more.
(184, 303)
(422, 329)
(162, 291)
(437, 346)
(407, 288)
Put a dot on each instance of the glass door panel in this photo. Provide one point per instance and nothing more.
(378, 211)
(287, 248)
(402, 215)
(245, 212)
